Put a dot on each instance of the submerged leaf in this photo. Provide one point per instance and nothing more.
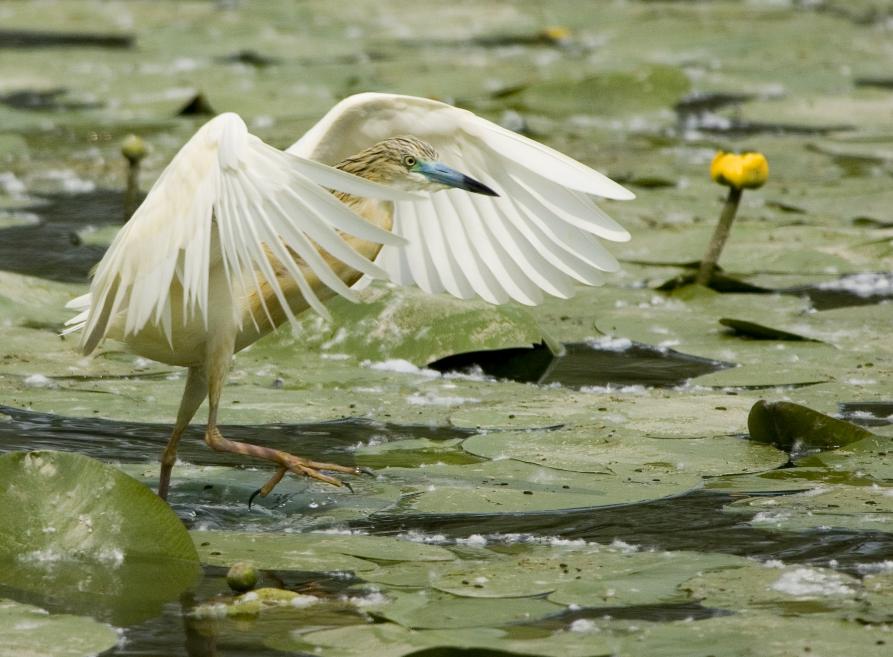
(30, 631)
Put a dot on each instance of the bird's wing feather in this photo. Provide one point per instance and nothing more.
(227, 196)
(541, 235)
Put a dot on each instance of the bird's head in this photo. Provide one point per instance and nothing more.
(409, 163)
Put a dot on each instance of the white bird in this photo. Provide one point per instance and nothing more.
(236, 237)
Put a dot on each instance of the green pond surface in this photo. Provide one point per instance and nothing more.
(572, 479)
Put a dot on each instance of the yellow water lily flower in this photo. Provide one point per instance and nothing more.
(740, 170)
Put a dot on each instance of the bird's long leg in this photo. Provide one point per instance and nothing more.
(217, 368)
(193, 395)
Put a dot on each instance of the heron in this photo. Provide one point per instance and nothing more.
(236, 237)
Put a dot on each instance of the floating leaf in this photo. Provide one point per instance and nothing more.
(640, 578)
(82, 531)
(648, 88)
(409, 324)
(391, 640)
(787, 590)
(28, 630)
(749, 635)
(509, 486)
(761, 331)
(791, 426)
(651, 413)
(311, 552)
(67, 506)
(600, 449)
(870, 457)
(590, 576)
(861, 508)
(435, 610)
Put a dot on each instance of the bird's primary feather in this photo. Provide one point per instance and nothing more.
(227, 200)
(541, 235)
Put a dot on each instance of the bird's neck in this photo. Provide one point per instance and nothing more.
(375, 211)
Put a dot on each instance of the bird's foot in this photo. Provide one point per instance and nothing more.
(310, 469)
(286, 462)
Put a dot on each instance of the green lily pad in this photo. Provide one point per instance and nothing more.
(773, 374)
(650, 412)
(408, 324)
(761, 331)
(29, 630)
(510, 486)
(311, 552)
(787, 590)
(601, 450)
(391, 640)
(61, 505)
(861, 508)
(786, 480)
(639, 579)
(648, 88)
(435, 610)
(792, 426)
(870, 457)
(759, 635)
(77, 530)
(413, 452)
(591, 576)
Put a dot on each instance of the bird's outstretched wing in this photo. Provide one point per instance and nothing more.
(540, 235)
(227, 196)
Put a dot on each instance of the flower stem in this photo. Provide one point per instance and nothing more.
(720, 235)
(132, 192)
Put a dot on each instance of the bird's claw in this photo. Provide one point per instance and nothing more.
(253, 495)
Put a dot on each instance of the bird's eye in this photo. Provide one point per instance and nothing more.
(409, 161)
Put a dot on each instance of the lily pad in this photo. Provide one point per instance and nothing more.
(640, 578)
(787, 590)
(760, 635)
(29, 630)
(510, 486)
(77, 530)
(412, 325)
(603, 450)
(860, 508)
(870, 457)
(391, 640)
(311, 552)
(590, 576)
(60, 505)
(435, 610)
(792, 426)
(762, 332)
(648, 88)
(655, 414)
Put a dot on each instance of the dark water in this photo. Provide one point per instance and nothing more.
(51, 249)
(583, 364)
(135, 442)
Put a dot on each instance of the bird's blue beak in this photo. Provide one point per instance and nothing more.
(441, 173)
